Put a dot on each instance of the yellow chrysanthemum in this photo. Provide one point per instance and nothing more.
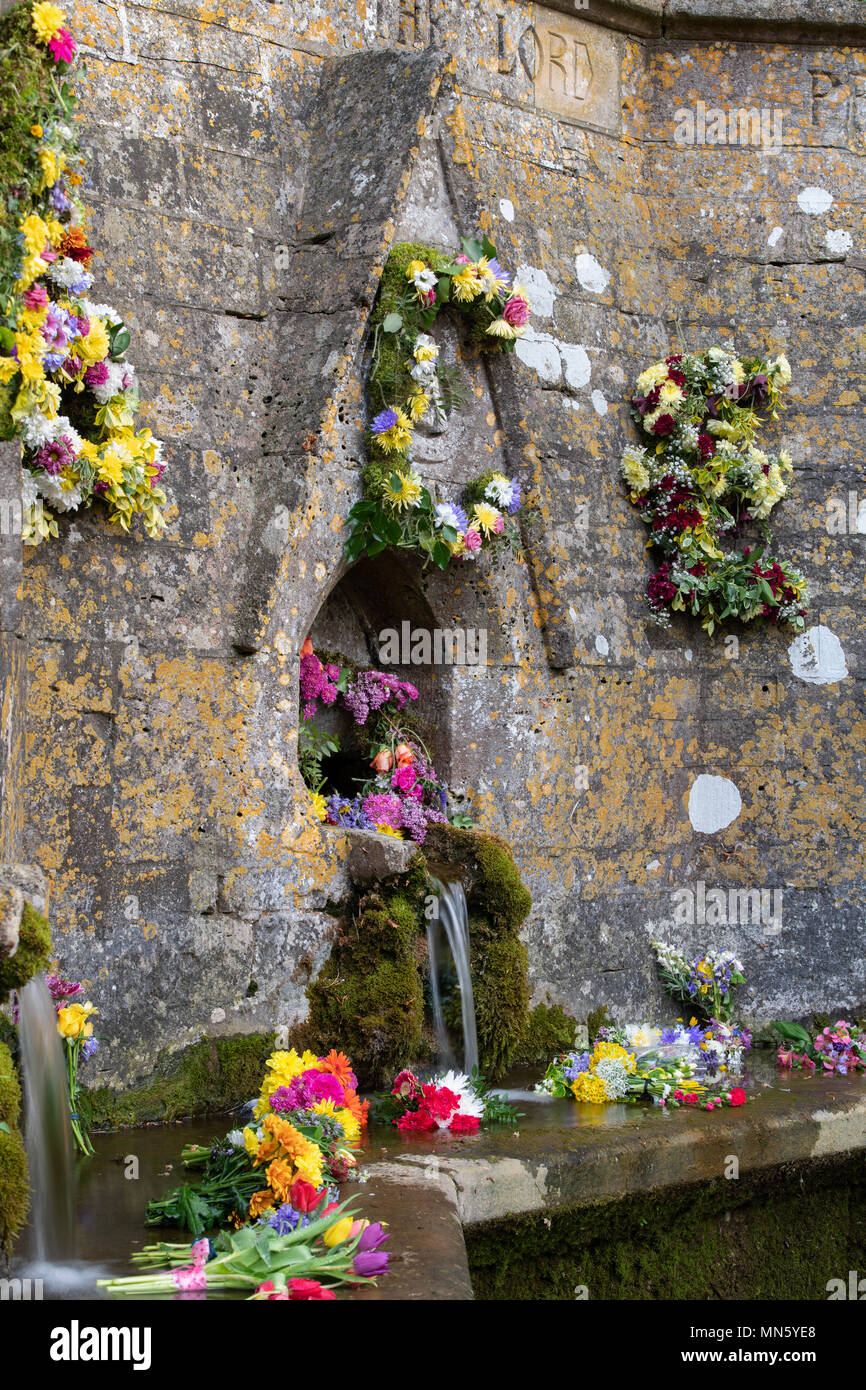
(653, 376)
(320, 805)
(261, 1202)
(309, 1166)
(251, 1142)
(351, 1127)
(588, 1087)
(465, 285)
(9, 368)
(489, 281)
(281, 1175)
(501, 328)
(31, 269)
(94, 347)
(634, 469)
(46, 20)
(34, 232)
(414, 268)
(485, 517)
(670, 394)
(110, 468)
(418, 405)
(406, 493)
(613, 1051)
(52, 164)
(398, 437)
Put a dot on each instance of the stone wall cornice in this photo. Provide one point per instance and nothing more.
(753, 21)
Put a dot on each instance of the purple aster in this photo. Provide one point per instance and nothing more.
(514, 504)
(385, 420)
(496, 269)
(88, 1047)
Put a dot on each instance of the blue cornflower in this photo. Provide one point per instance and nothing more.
(385, 420)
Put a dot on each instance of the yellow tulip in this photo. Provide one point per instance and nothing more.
(340, 1231)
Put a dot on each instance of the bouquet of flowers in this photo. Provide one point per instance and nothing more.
(840, 1049)
(76, 1029)
(672, 1066)
(404, 796)
(447, 1102)
(409, 383)
(305, 1128)
(274, 1259)
(705, 981)
(699, 478)
(66, 387)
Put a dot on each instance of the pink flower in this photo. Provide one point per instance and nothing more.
(62, 46)
(499, 525)
(472, 540)
(36, 298)
(404, 778)
(516, 311)
(462, 259)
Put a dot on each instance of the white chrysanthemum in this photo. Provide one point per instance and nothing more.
(36, 429)
(500, 490)
(99, 311)
(425, 280)
(780, 368)
(642, 1035)
(670, 394)
(62, 499)
(446, 516)
(29, 489)
(121, 376)
(426, 349)
(460, 1084)
(66, 273)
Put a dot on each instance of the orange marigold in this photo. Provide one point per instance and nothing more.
(74, 245)
(261, 1201)
(289, 1138)
(281, 1175)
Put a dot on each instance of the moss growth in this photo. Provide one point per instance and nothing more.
(32, 955)
(10, 1090)
(500, 982)
(598, 1019)
(14, 1187)
(777, 1235)
(549, 1030)
(209, 1077)
(369, 997)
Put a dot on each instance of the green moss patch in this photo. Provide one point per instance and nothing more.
(14, 1187)
(210, 1077)
(781, 1234)
(32, 955)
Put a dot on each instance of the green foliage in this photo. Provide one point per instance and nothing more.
(226, 1186)
(10, 1090)
(549, 1031)
(314, 745)
(500, 968)
(598, 1019)
(32, 956)
(209, 1077)
(14, 1187)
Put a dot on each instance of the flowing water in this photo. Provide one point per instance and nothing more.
(453, 922)
(47, 1131)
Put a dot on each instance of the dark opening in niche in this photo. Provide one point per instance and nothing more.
(378, 599)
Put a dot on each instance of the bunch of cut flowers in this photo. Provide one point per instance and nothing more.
(840, 1049)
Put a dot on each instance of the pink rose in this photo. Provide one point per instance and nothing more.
(472, 540)
(516, 312)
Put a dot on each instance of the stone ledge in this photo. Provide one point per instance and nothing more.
(623, 1151)
(786, 21)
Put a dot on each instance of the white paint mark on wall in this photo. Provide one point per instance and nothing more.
(838, 241)
(602, 646)
(578, 368)
(713, 803)
(542, 292)
(540, 351)
(599, 403)
(688, 653)
(776, 234)
(816, 656)
(814, 200)
(506, 208)
(590, 273)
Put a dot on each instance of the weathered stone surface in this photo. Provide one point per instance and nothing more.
(243, 236)
(11, 907)
(377, 856)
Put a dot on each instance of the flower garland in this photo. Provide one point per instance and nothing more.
(699, 479)
(70, 393)
(409, 383)
(404, 796)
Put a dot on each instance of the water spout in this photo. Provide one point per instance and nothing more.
(453, 918)
(47, 1131)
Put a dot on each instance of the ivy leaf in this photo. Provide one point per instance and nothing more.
(392, 323)
(376, 547)
(472, 247)
(120, 343)
(441, 554)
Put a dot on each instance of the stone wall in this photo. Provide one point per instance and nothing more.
(251, 166)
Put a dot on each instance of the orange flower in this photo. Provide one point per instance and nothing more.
(261, 1201)
(338, 1064)
(268, 1148)
(74, 245)
(307, 648)
(404, 754)
(358, 1108)
(281, 1175)
(285, 1134)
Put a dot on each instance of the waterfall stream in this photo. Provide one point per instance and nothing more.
(47, 1131)
(453, 920)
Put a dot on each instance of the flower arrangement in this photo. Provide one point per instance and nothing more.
(75, 1026)
(452, 1101)
(705, 982)
(305, 1128)
(332, 1244)
(698, 479)
(409, 383)
(840, 1049)
(404, 795)
(67, 389)
(671, 1066)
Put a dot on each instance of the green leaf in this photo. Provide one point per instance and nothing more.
(441, 554)
(473, 248)
(792, 1033)
(488, 248)
(4, 1127)
(392, 323)
(120, 343)
(376, 547)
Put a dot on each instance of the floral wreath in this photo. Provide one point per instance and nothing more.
(699, 480)
(409, 383)
(65, 386)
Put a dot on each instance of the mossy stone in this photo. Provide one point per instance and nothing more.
(10, 1089)
(500, 970)
(14, 1187)
(33, 953)
(549, 1031)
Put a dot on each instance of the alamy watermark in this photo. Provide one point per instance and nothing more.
(12, 516)
(846, 516)
(440, 646)
(759, 126)
(714, 907)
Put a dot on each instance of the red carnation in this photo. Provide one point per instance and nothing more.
(738, 1096)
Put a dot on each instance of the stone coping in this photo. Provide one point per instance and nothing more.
(785, 21)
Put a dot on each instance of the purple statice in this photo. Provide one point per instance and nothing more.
(414, 818)
(384, 421)
(576, 1062)
(341, 811)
